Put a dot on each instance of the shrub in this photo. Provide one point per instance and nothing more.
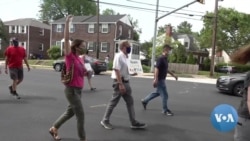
(54, 52)
(239, 68)
(110, 65)
(191, 59)
(146, 69)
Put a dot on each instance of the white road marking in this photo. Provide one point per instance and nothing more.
(101, 105)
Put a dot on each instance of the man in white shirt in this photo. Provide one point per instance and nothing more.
(120, 76)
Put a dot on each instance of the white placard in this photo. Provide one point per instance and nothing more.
(88, 67)
(134, 66)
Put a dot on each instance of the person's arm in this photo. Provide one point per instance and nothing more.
(26, 62)
(172, 74)
(66, 36)
(6, 61)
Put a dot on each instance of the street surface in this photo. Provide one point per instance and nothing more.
(43, 101)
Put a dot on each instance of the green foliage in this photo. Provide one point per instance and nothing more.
(56, 9)
(3, 33)
(185, 28)
(54, 52)
(1, 54)
(146, 69)
(207, 63)
(110, 65)
(232, 31)
(191, 59)
(181, 54)
(108, 11)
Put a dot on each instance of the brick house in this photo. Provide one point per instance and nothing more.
(112, 28)
(33, 35)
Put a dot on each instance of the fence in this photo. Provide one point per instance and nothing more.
(183, 68)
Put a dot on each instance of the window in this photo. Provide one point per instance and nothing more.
(91, 28)
(129, 33)
(90, 46)
(12, 29)
(72, 28)
(41, 31)
(59, 28)
(104, 47)
(105, 28)
(186, 44)
(22, 29)
(22, 44)
(120, 30)
(116, 47)
(58, 43)
(41, 47)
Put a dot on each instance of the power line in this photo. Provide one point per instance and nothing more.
(164, 6)
(140, 8)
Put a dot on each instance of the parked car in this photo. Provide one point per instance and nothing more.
(227, 69)
(97, 65)
(232, 84)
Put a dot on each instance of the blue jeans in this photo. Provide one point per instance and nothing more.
(161, 90)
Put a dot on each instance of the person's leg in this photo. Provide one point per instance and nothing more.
(164, 95)
(89, 76)
(150, 97)
(112, 104)
(128, 98)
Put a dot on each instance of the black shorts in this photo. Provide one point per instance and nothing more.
(16, 73)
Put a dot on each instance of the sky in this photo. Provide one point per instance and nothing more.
(12, 9)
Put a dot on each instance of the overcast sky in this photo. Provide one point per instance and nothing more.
(14, 9)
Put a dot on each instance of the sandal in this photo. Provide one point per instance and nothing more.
(54, 134)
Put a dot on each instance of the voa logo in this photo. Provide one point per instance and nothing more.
(224, 118)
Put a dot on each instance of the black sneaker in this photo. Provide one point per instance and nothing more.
(16, 95)
(168, 113)
(144, 104)
(106, 125)
(138, 125)
(92, 89)
(11, 90)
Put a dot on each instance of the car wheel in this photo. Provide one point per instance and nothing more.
(238, 89)
(58, 67)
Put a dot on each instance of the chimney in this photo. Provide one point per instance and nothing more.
(46, 22)
(169, 30)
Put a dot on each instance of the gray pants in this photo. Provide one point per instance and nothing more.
(242, 132)
(75, 107)
(16, 73)
(116, 98)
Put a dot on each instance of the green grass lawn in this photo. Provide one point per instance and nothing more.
(207, 73)
(41, 62)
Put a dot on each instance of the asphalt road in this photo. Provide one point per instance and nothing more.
(43, 101)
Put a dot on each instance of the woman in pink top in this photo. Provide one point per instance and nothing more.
(73, 89)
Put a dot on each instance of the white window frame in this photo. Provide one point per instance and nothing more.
(41, 47)
(129, 33)
(22, 44)
(90, 48)
(58, 43)
(105, 28)
(91, 28)
(103, 45)
(59, 28)
(120, 29)
(42, 31)
(72, 28)
(22, 29)
(12, 29)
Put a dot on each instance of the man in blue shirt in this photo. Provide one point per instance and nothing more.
(160, 74)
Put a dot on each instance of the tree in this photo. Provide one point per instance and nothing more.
(136, 29)
(185, 28)
(232, 31)
(3, 33)
(54, 52)
(56, 9)
(190, 59)
(109, 11)
(145, 47)
(162, 29)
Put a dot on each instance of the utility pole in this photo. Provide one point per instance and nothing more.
(98, 30)
(214, 39)
(156, 21)
(154, 40)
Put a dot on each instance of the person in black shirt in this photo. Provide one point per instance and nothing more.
(242, 56)
(160, 73)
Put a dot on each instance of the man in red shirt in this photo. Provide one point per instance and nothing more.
(14, 56)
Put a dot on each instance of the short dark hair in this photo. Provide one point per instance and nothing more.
(167, 46)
